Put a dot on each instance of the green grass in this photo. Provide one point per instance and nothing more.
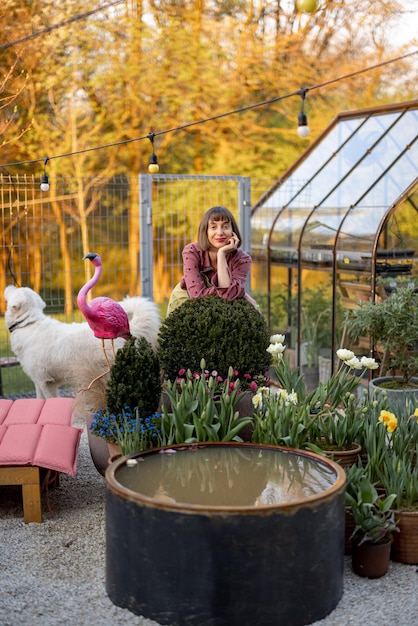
(14, 380)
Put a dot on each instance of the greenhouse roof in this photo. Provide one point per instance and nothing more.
(336, 198)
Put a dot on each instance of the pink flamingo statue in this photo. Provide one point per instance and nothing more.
(106, 318)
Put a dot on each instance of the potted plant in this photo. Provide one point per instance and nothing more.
(338, 411)
(398, 474)
(327, 420)
(374, 525)
(199, 407)
(223, 332)
(126, 404)
(391, 283)
(392, 327)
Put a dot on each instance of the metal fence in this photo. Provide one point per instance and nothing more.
(138, 225)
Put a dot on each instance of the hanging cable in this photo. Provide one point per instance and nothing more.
(220, 115)
(76, 18)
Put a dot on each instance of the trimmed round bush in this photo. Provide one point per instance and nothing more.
(222, 332)
(135, 379)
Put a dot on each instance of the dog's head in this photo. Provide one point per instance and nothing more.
(23, 305)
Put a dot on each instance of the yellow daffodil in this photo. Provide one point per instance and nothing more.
(389, 420)
(386, 416)
(292, 398)
(257, 400)
(392, 425)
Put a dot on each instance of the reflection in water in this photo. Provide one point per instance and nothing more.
(219, 476)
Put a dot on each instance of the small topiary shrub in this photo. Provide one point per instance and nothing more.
(134, 380)
(223, 332)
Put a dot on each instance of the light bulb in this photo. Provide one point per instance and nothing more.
(303, 131)
(153, 167)
(44, 182)
(307, 6)
(303, 128)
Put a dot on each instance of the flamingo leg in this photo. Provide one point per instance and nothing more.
(111, 349)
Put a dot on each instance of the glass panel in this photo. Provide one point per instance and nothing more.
(316, 321)
(285, 238)
(261, 223)
(311, 167)
(377, 159)
(320, 233)
(359, 147)
(401, 175)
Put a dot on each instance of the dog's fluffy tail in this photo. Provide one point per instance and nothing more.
(144, 318)
(144, 321)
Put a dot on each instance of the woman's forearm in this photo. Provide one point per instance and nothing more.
(224, 278)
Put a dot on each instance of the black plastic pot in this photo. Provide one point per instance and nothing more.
(201, 564)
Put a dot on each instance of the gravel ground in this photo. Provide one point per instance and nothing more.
(54, 574)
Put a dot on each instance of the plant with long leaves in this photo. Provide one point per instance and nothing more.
(198, 409)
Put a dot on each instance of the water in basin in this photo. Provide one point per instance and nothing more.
(218, 476)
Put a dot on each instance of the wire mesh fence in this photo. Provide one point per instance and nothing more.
(138, 225)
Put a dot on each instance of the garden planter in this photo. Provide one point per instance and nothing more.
(370, 560)
(114, 449)
(311, 377)
(345, 458)
(395, 397)
(99, 450)
(244, 406)
(405, 542)
(225, 534)
(349, 527)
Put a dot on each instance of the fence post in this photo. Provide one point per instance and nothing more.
(146, 236)
(244, 212)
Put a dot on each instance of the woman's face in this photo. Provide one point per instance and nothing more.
(219, 233)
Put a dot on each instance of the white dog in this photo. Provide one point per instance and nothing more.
(53, 353)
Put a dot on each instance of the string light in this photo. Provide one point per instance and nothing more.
(307, 6)
(303, 128)
(44, 177)
(153, 166)
(221, 115)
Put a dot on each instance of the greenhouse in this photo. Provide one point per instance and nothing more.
(338, 227)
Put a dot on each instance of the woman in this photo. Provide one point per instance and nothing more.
(214, 265)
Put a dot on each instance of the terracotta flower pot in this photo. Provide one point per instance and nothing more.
(371, 560)
(345, 458)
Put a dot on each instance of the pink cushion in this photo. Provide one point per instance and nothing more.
(57, 448)
(39, 432)
(3, 430)
(24, 411)
(57, 411)
(4, 408)
(19, 444)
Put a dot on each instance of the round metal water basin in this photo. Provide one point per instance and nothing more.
(225, 534)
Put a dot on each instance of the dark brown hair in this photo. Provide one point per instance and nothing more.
(217, 214)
